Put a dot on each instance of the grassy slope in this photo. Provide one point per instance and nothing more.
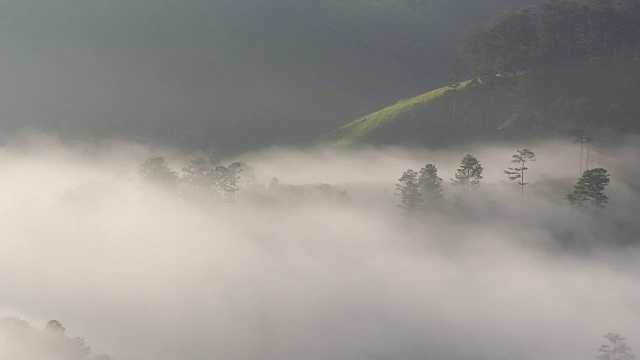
(366, 128)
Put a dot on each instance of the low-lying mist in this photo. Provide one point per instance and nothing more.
(142, 273)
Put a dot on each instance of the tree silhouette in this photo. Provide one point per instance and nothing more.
(589, 191)
(430, 185)
(469, 173)
(409, 191)
(517, 173)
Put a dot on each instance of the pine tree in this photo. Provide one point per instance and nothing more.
(409, 191)
(517, 173)
(431, 186)
(584, 139)
(469, 173)
(589, 191)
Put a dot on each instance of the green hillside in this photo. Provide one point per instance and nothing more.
(564, 69)
(423, 110)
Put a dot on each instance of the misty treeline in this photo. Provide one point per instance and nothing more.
(21, 341)
(203, 181)
(199, 178)
(422, 190)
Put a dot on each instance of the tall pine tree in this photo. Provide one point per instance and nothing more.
(431, 186)
(469, 173)
(517, 173)
(409, 191)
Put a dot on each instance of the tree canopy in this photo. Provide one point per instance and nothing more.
(517, 173)
(589, 191)
(469, 173)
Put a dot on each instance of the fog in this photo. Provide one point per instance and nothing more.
(144, 274)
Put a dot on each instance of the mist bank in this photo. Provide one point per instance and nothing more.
(143, 273)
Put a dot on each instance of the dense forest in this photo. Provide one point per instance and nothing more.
(559, 68)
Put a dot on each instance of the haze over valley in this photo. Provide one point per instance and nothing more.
(354, 179)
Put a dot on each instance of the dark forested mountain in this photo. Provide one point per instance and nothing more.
(563, 68)
(222, 74)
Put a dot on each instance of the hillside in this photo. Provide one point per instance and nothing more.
(396, 123)
(562, 69)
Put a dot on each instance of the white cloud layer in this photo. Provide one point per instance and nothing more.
(142, 274)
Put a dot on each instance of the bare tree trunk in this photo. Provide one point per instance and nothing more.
(587, 163)
(581, 143)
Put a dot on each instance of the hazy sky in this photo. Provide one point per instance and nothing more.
(197, 74)
(225, 75)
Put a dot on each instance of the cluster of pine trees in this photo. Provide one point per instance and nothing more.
(199, 178)
(422, 190)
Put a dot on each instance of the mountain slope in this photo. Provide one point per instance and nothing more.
(588, 98)
(423, 110)
(564, 69)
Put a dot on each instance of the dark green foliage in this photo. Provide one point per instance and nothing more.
(556, 34)
(504, 47)
(617, 349)
(517, 173)
(469, 173)
(431, 186)
(589, 191)
(546, 71)
(409, 191)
